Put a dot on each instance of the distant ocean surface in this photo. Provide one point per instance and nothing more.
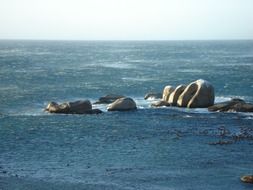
(150, 149)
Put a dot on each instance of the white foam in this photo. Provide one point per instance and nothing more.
(221, 99)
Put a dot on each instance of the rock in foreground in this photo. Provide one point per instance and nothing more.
(122, 104)
(77, 107)
(234, 105)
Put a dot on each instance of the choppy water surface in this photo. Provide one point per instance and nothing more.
(165, 148)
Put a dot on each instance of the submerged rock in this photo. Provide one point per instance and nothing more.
(122, 104)
(153, 95)
(160, 104)
(94, 111)
(77, 107)
(108, 99)
(198, 94)
(247, 179)
(234, 105)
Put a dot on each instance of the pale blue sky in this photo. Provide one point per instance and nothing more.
(126, 19)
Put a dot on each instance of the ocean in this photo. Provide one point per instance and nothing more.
(151, 148)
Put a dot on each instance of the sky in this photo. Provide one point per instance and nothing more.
(126, 19)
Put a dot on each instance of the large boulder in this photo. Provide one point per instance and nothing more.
(198, 94)
(122, 104)
(234, 105)
(167, 91)
(153, 95)
(108, 99)
(175, 95)
(77, 107)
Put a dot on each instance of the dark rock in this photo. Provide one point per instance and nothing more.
(80, 107)
(152, 95)
(122, 104)
(221, 142)
(247, 179)
(160, 104)
(110, 98)
(94, 111)
(234, 105)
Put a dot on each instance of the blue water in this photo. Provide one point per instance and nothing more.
(165, 148)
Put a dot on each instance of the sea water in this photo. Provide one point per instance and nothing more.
(164, 148)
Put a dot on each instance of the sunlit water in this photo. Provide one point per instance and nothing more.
(165, 148)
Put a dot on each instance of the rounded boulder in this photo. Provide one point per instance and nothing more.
(198, 94)
(122, 104)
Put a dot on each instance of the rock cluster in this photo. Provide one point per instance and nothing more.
(198, 94)
(85, 106)
(77, 107)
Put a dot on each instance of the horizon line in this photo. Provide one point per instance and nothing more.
(122, 40)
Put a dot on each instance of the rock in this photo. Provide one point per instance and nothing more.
(198, 94)
(53, 107)
(77, 107)
(122, 104)
(247, 179)
(160, 104)
(166, 92)
(152, 95)
(175, 95)
(234, 105)
(94, 111)
(108, 99)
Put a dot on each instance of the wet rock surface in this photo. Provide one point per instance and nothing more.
(234, 105)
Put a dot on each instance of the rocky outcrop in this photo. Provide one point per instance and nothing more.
(234, 105)
(166, 92)
(175, 95)
(77, 107)
(198, 94)
(152, 95)
(122, 104)
(108, 99)
(247, 179)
